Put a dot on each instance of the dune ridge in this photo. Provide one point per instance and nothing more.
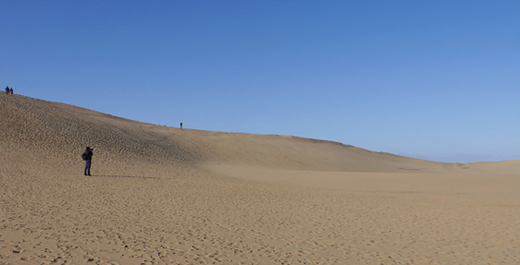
(62, 130)
(162, 195)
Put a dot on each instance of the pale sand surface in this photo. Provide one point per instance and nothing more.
(162, 195)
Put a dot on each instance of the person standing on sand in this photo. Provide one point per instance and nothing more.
(181, 125)
(11, 90)
(7, 90)
(87, 156)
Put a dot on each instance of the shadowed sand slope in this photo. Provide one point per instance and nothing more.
(161, 195)
(62, 131)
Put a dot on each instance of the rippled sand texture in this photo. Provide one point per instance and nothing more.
(161, 195)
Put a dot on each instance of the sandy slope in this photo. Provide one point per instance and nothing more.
(168, 196)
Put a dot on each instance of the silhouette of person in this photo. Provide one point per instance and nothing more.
(7, 90)
(11, 90)
(87, 156)
(181, 125)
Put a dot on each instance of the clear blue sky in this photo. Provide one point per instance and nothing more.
(438, 80)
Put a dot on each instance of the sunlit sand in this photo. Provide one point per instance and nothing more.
(162, 195)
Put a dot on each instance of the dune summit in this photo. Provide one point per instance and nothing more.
(162, 195)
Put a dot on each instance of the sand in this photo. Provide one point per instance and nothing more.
(162, 195)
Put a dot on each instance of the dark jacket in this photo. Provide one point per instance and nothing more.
(88, 155)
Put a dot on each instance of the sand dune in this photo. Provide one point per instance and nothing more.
(161, 195)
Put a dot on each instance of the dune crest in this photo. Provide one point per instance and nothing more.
(62, 131)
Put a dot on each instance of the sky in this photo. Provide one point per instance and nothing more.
(436, 80)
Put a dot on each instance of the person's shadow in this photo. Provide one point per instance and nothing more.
(120, 176)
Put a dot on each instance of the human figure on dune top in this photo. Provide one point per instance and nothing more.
(87, 156)
(11, 90)
(7, 90)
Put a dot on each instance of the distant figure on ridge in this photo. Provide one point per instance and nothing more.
(87, 156)
(181, 125)
(11, 90)
(7, 89)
